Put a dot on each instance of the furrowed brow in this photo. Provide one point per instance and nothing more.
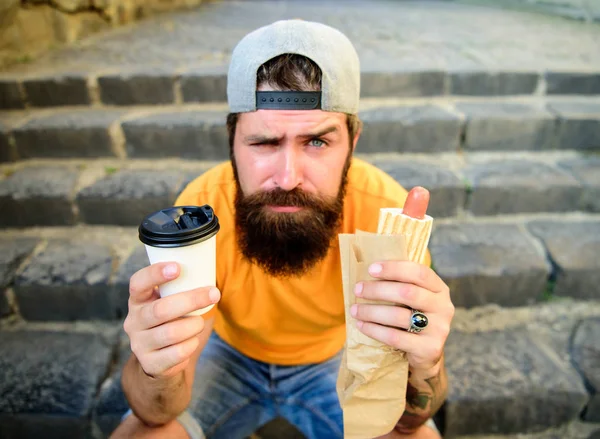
(320, 133)
(263, 140)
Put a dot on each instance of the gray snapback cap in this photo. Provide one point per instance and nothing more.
(330, 49)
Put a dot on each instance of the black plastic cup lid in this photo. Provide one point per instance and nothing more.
(179, 226)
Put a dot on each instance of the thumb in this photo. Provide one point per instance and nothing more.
(142, 283)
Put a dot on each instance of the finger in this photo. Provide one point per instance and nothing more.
(401, 293)
(424, 351)
(142, 283)
(410, 273)
(387, 315)
(416, 203)
(396, 338)
(157, 362)
(170, 333)
(178, 305)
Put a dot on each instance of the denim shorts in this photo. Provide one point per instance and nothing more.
(234, 395)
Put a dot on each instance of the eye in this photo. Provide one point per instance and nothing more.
(317, 143)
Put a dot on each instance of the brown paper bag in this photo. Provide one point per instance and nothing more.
(372, 379)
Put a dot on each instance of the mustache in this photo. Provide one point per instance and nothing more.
(279, 197)
(286, 244)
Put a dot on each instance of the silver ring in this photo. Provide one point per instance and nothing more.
(418, 321)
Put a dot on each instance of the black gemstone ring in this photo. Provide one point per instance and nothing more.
(418, 321)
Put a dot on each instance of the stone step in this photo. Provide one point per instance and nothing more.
(123, 191)
(523, 370)
(82, 272)
(517, 263)
(76, 274)
(51, 376)
(431, 49)
(571, 9)
(527, 372)
(197, 85)
(390, 125)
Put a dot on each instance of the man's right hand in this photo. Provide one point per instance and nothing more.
(161, 340)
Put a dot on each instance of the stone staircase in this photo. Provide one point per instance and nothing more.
(506, 137)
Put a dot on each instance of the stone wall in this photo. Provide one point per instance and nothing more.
(582, 10)
(31, 27)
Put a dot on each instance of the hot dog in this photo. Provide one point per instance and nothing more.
(410, 221)
(416, 203)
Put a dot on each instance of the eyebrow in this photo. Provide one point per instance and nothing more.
(321, 133)
(263, 140)
(266, 140)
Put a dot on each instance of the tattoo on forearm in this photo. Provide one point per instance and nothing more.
(409, 422)
(423, 399)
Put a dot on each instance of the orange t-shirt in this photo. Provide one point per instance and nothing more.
(286, 321)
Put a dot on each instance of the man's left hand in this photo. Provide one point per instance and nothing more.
(416, 287)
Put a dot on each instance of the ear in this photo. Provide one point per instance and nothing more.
(356, 137)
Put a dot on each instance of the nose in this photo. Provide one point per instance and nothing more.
(289, 174)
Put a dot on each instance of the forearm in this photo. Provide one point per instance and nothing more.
(425, 395)
(155, 401)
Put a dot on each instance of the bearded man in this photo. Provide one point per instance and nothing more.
(272, 345)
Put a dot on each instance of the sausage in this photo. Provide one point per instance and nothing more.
(416, 203)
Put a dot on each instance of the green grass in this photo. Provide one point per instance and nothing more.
(468, 185)
(109, 170)
(23, 59)
(548, 293)
(8, 172)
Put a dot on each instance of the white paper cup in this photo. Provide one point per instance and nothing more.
(191, 243)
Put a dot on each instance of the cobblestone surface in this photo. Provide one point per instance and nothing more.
(38, 196)
(572, 84)
(12, 253)
(586, 170)
(58, 90)
(490, 83)
(112, 404)
(415, 35)
(447, 190)
(144, 87)
(586, 355)
(10, 95)
(511, 186)
(184, 134)
(574, 248)
(120, 192)
(418, 129)
(193, 131)
(489, 263)
(488, 370)
(67, 281)
(6, 149)
(4, 305)
(126, 197)
(48, 382)
(204, 86)
(405, 84)
(507, 126)
(579, 124)
(67, 134)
